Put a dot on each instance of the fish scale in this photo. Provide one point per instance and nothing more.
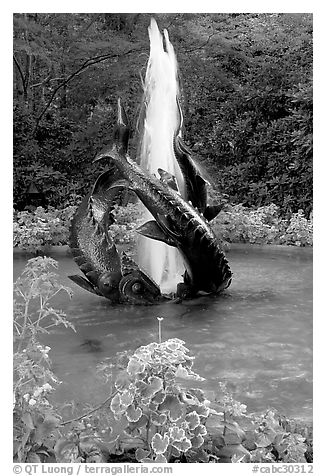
(204, 260)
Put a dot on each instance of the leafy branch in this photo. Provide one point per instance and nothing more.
(89, 62)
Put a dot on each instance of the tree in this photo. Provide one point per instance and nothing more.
(246, 88)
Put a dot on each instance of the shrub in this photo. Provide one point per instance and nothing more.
(34, 230)
(299, 231)
(123, 231)
(264, 225)
(235, 224)
(240, 224)
(35, 420)
(159, 417)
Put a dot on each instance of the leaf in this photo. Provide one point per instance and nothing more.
(197, 392)
(127, 444)
(159, 443)
(231, 450)
(174, 451)
(27, 419)
(133, 427)
(182, 372)
(193, 420)
(198, 456)
(173, 406)
(160, 459)
(140, 454)
(200, 430)
(154, 386)
(46, 428)
(197, 441)
(278, 439)
(158, 419)
(158, 397)
(232, 439)
(263, 441)
(169, 376)
(133, 414)
(174, 344)
(202, 410)
(95, 458)
(122, 381)
(66, 451)
(140, 385)
(33, 458)
(126, 398)
(183, 445)
(234, 427)
(152, 406)
(187, 374)
(115, 405)
(135, 367)
(176, 434)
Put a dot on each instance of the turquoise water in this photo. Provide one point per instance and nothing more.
(257, 336)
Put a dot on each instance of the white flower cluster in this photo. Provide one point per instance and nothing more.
(38, 392)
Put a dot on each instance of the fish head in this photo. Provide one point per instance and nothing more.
(108, 285)
(136, 286)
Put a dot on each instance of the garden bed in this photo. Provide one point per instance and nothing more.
(41, 230)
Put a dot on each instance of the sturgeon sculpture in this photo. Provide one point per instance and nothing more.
(195, 184)
(176, 222)
(107, 274)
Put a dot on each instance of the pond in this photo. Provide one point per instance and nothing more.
(256, 337)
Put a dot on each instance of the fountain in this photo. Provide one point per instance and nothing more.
(271, 366)
(160, 125)
(178, 204)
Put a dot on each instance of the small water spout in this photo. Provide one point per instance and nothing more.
(160, 123)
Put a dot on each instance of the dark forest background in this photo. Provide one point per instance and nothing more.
(247, 98)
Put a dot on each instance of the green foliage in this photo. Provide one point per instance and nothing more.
(251, 438)
(152, 405)
(127, 219)
(158, 417)
(257, 140)
(246, 85)
(264, 225)
(35, 420)
(299, 231)
(35, 230)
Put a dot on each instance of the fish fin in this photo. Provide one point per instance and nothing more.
(168, 178)
(151, 230)
(200, 192)
(180, 125)
(122, 130)
(83, 283)
(128, 265)
(122, 183)
(105, 180)
(92, 275)
(102, 199)
(180, 146)
(201, 180)
(167, 226)
(212, 211)
(86, 267)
